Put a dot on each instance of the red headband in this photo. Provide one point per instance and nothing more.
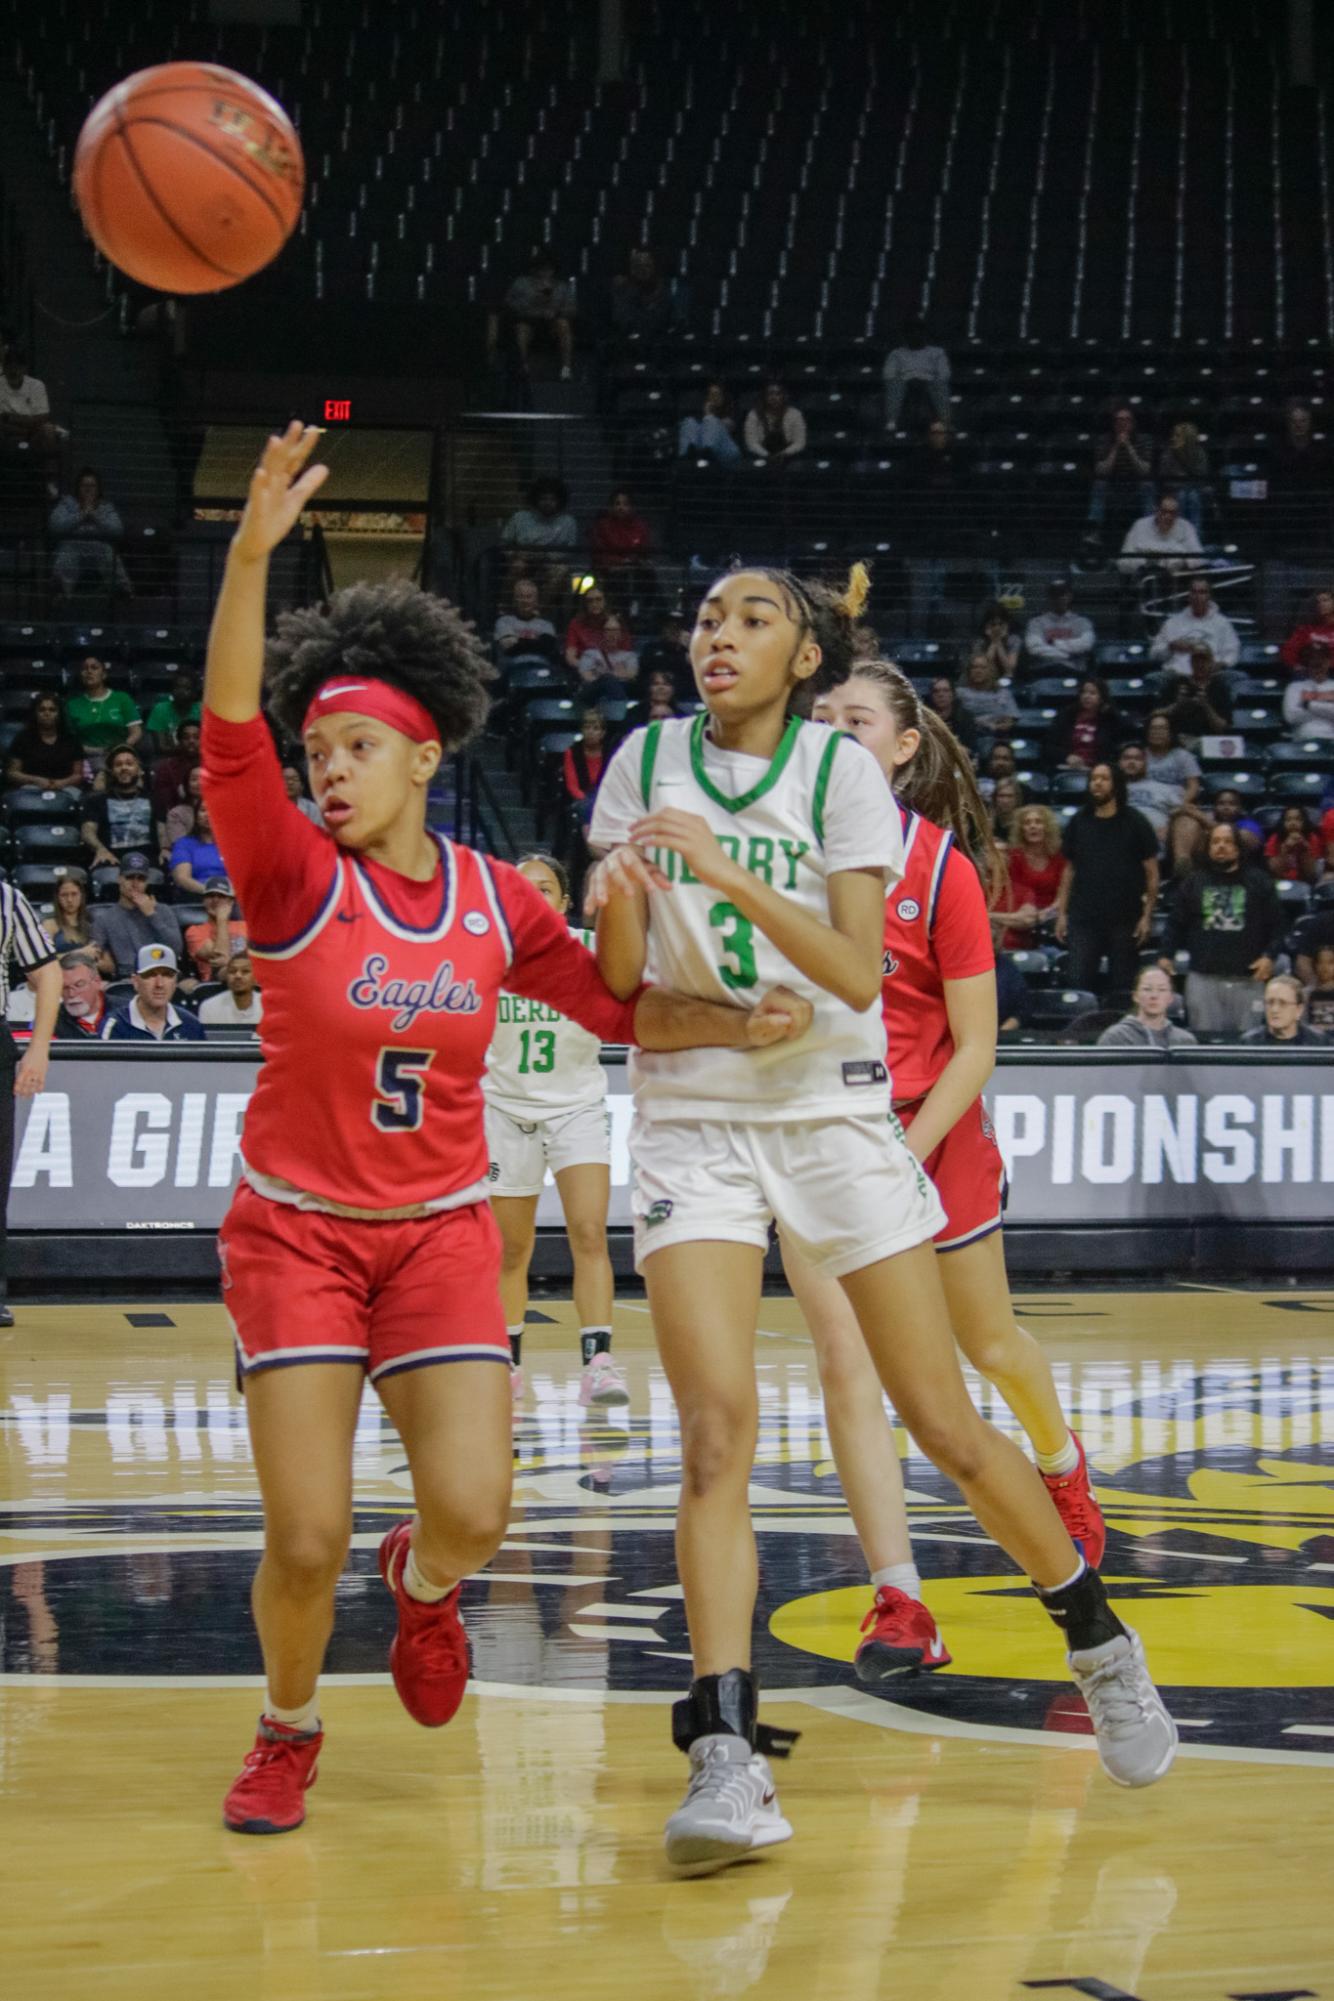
(351, 695)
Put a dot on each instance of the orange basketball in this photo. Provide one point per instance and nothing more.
(189, 177)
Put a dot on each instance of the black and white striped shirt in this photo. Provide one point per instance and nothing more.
(22, 939)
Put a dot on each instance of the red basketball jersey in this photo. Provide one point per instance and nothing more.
(936, 929)
(370, 1031)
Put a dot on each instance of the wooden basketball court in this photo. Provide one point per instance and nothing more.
(958, 1840)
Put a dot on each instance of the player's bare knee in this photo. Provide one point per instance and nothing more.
(514, 1256)
(588, 1241)
(846, 1370)
(466, 1534)
(308, 1557)
(993, 1354)
(958, 1450)
(717, 1445)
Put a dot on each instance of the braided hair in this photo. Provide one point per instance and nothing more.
(825, 612)
(937, 781)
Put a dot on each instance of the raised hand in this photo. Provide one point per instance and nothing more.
(281, 486)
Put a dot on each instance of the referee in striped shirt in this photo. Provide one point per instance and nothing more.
(24, 943)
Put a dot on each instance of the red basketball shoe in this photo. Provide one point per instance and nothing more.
(429, 1656)
(269, 1797)
(901, 1639)
(1077, 1506)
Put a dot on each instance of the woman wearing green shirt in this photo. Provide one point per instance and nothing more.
(101, 716)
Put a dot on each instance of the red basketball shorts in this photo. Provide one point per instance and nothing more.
(969, 1174)
(301, 1286)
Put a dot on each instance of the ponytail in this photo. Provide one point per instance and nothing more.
(937, 781)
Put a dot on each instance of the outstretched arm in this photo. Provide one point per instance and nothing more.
(280, 487)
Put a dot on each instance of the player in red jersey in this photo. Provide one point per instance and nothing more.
(940, 1018)
(360, 1241)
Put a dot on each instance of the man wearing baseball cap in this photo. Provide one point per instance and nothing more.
(150, 1016)
(212, 944)
(136, 919)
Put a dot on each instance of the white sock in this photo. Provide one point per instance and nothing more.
(898, 1577)
(1050, 1590)
(419, 1587)
(1064, 1461)
(305, 1718)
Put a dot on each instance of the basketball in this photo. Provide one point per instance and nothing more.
(189, 177)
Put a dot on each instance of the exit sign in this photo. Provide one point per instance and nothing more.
(338, 409)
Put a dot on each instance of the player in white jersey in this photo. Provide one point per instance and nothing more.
(734, 847)
(546, 1107)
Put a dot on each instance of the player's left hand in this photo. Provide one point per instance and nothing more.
(778, 1016)
(690, 836)
(30, 1077)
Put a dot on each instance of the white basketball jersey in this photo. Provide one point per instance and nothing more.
(540, 1063)
(820, 804)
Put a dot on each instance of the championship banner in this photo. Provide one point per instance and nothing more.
(152, 1142)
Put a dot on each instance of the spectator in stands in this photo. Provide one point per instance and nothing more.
(1183, 469)
(936, 463)
(25, 421)
(101, 715)
(1227, 916)
(1122, 468)
(1203, 705)
(1229, 811)
(1317, 629)
(1163, 538)
(86, 527)
(1155, 798)
(120, 817)
(242, 1006)
(151, 1016)
(775, 430)
(134, 920)
(585, 627)
(585, 761)
(713, 431)
(541, 308)
(171, 711)
(211, 945)
(1007, 802)
(1198, 620)
(1320, 998)
(917, 380)
(1294, 851)
(609, 669)
(1300, 465)
(620, 542)
(944, 699)
(171, 773)
(1059, 638)
(195, 857)
(661, 699)
(522, 628)
(1011, 995)
(644, 304)
(1086, 729)
(83, 1001)
(669, 652)
(1106, 898)
(1147, 1026)
(1285, 1004)
(539, 529)
(1000, 764)
(69, 926)
(1313, 935)
(1034, 867)
(1168, 763)
(989, 705)
(998, 641)
(44, 753)
(1308, 702)
(180, 819)
(300, 798)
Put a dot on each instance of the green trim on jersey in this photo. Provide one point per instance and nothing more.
(777, 765)
(648, 758)
(822, 778)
